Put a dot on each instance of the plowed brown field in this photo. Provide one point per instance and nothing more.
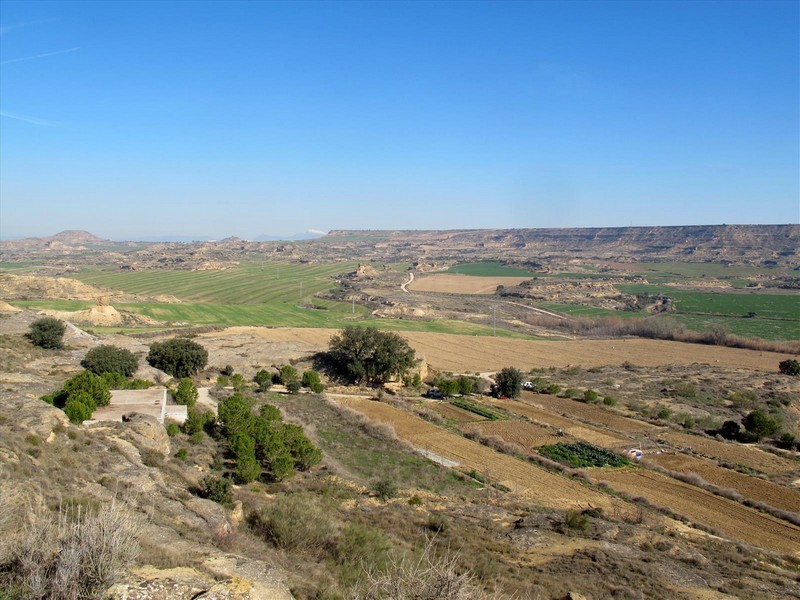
(582, 432)
(545, 488)
(749, 487)
(462, 284)
(729, 518)
(733, 452)
(523, 433)
(588, 412)
(458, 353)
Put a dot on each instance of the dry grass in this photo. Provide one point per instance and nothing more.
(428, 577)
(71, 554)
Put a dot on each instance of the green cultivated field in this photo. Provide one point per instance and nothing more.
(488, 269)
(250, 283)
(777, 316)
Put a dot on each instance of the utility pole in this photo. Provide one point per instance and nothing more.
(354, 305)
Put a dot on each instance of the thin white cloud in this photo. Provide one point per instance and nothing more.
(317, 231)
(26, 119)
(36, 56)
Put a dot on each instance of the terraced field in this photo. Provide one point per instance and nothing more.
(522, 433)
(589, 412)
(545, 488)
(456, 414)
(726, 516)
(747, 456)
(754, 488)
(586, 433)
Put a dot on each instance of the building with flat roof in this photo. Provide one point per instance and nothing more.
(152, 402)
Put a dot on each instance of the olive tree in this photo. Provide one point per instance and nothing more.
(47, 332)
(509, 382)
(110, 359)
(179, 357)
(366, 355)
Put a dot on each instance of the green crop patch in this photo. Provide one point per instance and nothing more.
(489, 269)
(250, 283)
(477, 408)
(582, 454)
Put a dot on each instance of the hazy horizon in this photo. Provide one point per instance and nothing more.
(150, 120)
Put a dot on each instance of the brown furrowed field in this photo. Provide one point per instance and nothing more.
(524, 478)
(750, 487)
(459, 354)
(522, 433)
(747, 456)
(588, 412)
(730, 518)
(582, 432)
(462, 284)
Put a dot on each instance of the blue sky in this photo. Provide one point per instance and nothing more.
(150, 119)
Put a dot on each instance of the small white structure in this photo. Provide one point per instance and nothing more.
(635, 454)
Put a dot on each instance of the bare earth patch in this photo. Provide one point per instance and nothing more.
(522, 433)
(749, 487)
(747, 456)
(459, 353)
(462, 284)
(726, 516)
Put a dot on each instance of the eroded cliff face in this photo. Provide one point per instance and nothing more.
(737, 244)
(760, 245)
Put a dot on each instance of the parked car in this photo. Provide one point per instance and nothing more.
(434, 394)
(527, 385)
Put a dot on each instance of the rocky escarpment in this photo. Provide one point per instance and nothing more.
(47, 464)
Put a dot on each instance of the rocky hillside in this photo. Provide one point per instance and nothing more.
(735, 244)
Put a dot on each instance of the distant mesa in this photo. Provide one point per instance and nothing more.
(74, 236)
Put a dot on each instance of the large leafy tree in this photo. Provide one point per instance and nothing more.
(509, 382)
(110, 359)
(47, 332)
(760, 424)
(366, 355)
(179, 357)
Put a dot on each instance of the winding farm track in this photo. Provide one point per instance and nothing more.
(404, 286)
(729, 518)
